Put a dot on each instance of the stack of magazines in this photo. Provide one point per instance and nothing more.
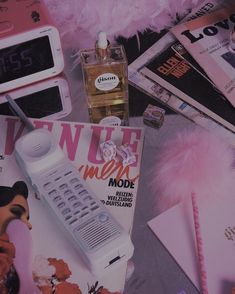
(191, 69)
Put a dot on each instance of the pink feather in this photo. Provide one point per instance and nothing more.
(195, 161)
(194, 164)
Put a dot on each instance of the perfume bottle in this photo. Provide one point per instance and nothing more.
(105, 79)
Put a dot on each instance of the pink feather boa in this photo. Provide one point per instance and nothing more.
(79, 21)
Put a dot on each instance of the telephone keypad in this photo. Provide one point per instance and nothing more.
(69, 195)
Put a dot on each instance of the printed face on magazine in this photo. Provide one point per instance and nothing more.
(17, 208)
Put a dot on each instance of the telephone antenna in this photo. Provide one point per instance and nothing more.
(19, 112)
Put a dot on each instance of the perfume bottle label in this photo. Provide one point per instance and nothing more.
(111, 121)
(106, 82)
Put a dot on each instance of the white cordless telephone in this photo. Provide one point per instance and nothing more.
(99, 238)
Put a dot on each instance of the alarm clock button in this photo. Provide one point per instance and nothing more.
(6, 26)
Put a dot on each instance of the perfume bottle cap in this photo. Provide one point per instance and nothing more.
(102, 42)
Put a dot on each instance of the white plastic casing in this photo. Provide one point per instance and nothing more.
(101, 241)
(56, 51)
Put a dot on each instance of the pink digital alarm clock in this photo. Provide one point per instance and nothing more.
(50, 99)
(30, 47)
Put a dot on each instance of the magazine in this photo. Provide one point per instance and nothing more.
(175, 230)
(174, 69)
(56, 265)
(207, 39)
(143, 82)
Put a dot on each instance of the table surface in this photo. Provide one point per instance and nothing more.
(155, 271)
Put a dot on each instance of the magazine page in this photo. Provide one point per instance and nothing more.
(56, 264)
(218, 239)
(207, 39)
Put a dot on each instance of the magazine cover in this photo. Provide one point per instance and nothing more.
(174, 69)
(207, 39)
(218, 235)
(40, 256)
(158, 92)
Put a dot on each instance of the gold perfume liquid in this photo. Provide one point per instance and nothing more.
(106, 84)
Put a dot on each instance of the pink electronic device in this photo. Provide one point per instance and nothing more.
(50, 99)
(30, 46)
